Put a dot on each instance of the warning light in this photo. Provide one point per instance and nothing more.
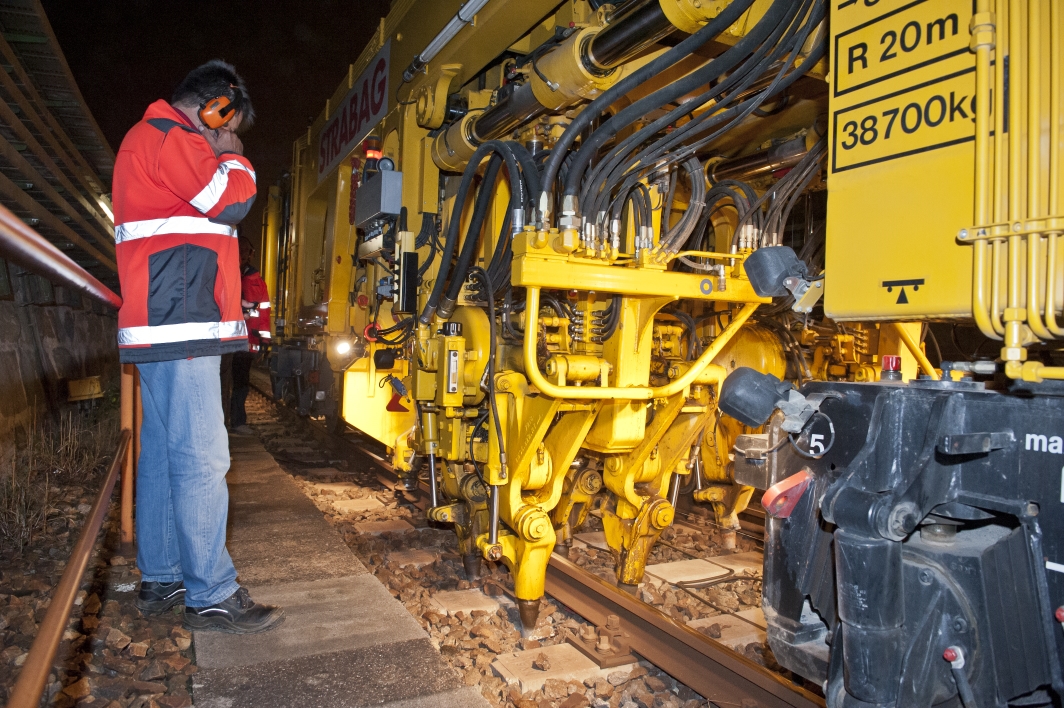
(373, 154)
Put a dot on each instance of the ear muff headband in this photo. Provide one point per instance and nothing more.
(217, 112)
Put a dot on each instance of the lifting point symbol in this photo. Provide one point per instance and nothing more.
(915, 283)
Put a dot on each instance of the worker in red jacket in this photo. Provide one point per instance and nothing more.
(181, 184)
(255, 301)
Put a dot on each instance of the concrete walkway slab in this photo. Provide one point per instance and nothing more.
(370, 676)
(345, 641)
(323, 616)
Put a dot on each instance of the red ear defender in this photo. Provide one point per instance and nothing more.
(216, 112)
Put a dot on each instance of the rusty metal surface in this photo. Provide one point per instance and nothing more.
(711, 669)
(30, 685)
(23, 246)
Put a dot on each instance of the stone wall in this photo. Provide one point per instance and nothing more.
(48, 335)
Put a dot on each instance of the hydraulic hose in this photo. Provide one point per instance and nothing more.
(561, 149)
(469, 247)
(487, 188)
(712, 71)
(734, 85)
(451, 241)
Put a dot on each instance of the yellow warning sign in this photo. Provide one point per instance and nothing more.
(931, 115)
(909, 37)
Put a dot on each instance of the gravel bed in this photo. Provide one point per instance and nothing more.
(110, 655)
(470, 643)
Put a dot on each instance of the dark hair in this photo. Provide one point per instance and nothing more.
(211, 80)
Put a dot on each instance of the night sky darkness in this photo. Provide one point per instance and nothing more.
(124, 54)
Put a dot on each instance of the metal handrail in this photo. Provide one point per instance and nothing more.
(31, 681)
(22, 245)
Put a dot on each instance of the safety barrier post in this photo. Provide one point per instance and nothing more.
(128, 391)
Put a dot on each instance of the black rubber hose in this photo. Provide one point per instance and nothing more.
(472, 238)
(452, 233)
(650, 157)
(451, 241)
(712, 71)
(801, 21)
(782, 81)
(560, 152)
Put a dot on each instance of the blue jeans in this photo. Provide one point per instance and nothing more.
(182, 499)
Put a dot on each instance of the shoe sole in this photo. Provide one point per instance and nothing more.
(195, 623)
(160, 607)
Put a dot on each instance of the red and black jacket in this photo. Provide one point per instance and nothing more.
(176, 205)
(256, 303)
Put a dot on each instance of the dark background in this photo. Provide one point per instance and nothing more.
(125, 54)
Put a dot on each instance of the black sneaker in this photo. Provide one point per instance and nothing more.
(155, 598)
(237, 614)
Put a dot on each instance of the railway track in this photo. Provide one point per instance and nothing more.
(722, 676)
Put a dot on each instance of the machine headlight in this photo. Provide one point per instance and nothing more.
(343, 347)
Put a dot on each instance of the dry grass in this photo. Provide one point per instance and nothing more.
(74, 450)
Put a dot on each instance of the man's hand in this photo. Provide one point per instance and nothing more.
(223, 140)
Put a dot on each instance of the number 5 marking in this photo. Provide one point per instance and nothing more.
(817, 448)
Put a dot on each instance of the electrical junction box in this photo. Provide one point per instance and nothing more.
(901, 163)
(379, 196)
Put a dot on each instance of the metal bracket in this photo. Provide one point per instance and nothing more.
(974, 443)
(607, 645)
(806, 292)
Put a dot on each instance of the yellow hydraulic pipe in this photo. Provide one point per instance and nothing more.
(1056, 56)
(914, 348)
(983, 39)
(634, 393)
(1034, 173)
(269, 243)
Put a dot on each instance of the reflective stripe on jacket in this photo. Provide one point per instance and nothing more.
(176, 206)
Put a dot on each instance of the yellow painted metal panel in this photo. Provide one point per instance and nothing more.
(366, 397)
(902, 119)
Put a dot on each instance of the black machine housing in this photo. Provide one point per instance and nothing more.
(934, 519)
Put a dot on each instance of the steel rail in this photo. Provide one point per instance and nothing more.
(31, 681)
(708, 667)
(21, 245)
